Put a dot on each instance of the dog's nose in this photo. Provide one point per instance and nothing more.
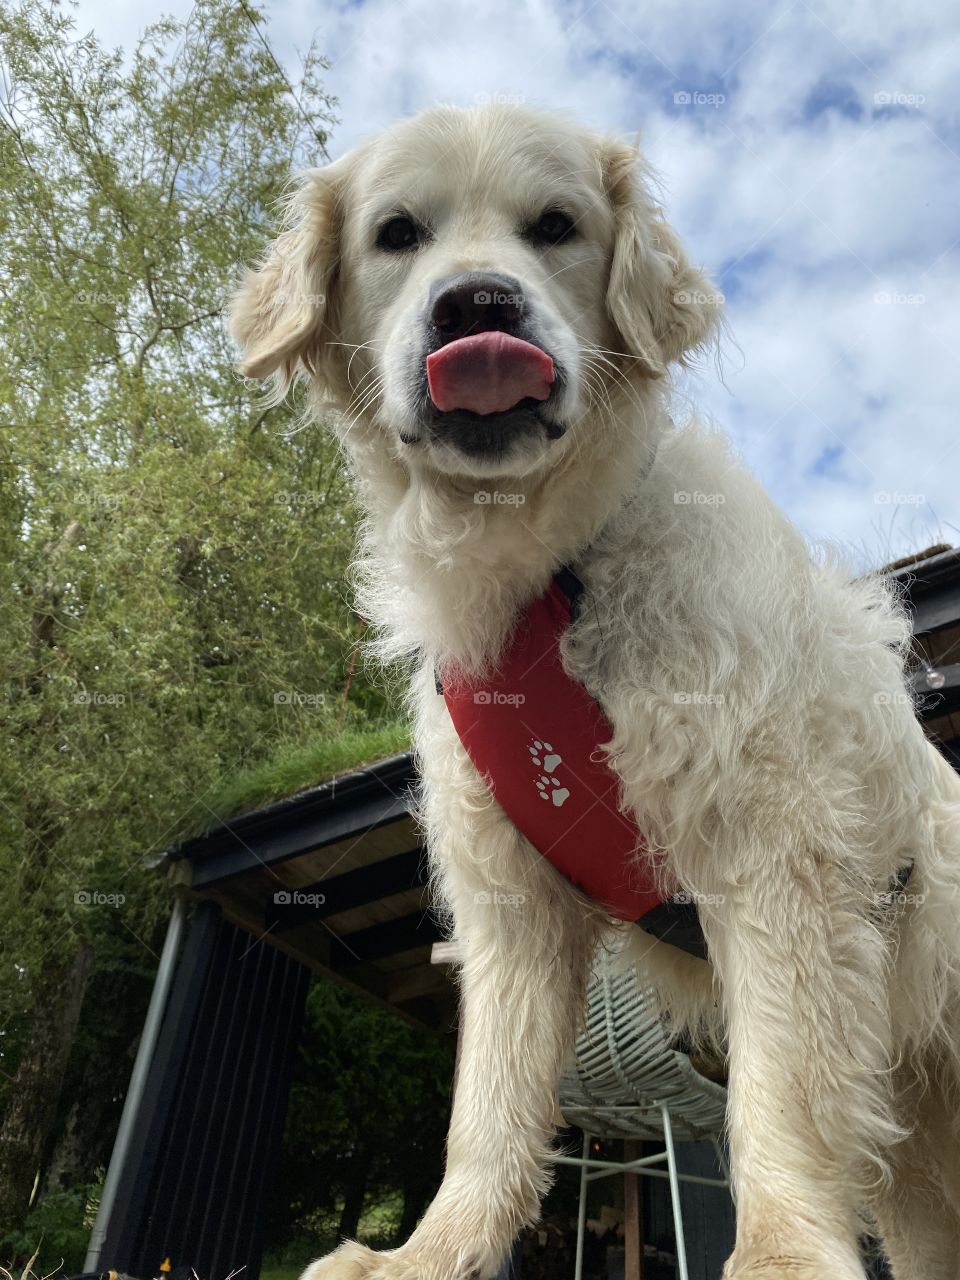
(475, 302)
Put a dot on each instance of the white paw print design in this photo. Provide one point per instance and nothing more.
(550, 789)
(544, 756)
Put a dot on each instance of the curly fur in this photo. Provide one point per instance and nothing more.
(763, 733)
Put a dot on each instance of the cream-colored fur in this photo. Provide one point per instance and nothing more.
(762, 729)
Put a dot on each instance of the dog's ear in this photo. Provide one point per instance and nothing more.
(662, 306)
(280, 313)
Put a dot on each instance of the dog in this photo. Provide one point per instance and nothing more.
(494, 304)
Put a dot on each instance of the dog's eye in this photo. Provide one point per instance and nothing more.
(398, 234)
(553, 227)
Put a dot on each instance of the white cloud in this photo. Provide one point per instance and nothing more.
(812, 197)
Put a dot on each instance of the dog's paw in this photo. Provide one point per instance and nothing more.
(353, 1261)
(350, 1262)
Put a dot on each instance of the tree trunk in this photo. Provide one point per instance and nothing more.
(416, 1195)
(88, 1117)
(36, 1087)
(60, 1173)
(355, 1193)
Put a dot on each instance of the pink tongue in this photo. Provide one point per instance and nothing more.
(488, 373)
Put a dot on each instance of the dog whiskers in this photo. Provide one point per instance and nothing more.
(357, 346)
(363, 401)
(594, 358)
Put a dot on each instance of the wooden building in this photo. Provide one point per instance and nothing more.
(329, 881)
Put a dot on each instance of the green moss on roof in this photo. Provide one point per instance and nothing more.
(305, 766)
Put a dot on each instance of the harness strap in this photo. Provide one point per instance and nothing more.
(533, 732)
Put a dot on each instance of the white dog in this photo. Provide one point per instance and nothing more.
(493, 301)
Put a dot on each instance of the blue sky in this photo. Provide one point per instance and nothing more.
(810, 157)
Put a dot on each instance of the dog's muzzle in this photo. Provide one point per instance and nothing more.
(485, 377)
(481, 358)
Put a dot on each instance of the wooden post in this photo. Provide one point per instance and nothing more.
(633, 1268)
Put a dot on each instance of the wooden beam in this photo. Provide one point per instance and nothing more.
(935, 610)
(418, 929)
(633, 1267)
(423, 980)
(362, 979)
(357, 888)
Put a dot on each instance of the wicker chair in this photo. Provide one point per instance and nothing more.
(626, 1081)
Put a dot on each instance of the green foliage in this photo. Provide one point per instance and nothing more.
(59, 1227)
(172, 555)
(301, 766)
(172, 583)
(370, 1091)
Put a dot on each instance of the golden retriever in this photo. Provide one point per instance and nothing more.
(760, 729)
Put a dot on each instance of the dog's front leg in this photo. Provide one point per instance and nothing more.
(802, 974)
(525, 946)
(526, 950)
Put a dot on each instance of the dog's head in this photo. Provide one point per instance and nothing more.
(479, 287)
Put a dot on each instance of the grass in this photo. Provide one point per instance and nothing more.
(305, 766)
(377, 1229)
(280, 1271)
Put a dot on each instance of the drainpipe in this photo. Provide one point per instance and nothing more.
(138, 1080)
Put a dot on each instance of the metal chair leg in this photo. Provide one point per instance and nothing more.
(582, 1214)
(674, 1194)
(722, 1161)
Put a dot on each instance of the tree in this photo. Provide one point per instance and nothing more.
(368, 1115)
(172, 554)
